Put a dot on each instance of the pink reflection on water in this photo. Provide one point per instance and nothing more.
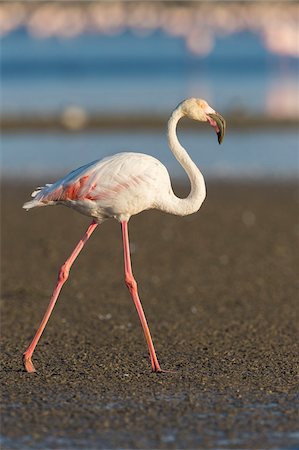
(282, 98)
(199, 23)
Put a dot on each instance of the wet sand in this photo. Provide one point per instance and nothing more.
(219, 291)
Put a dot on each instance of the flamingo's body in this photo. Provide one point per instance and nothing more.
(121, 186)
(118, 186)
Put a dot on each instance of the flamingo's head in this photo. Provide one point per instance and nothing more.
(197, 109)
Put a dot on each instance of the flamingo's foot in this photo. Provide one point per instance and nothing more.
(157, 369)
(28, 365)
(165, 371)
(156, 366)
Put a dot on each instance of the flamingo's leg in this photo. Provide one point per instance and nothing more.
(132, 286)
(62, 277)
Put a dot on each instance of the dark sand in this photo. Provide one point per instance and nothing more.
(219, 290)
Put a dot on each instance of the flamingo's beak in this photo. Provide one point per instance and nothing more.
(218, 123)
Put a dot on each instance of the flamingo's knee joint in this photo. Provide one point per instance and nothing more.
(130, 282)
(63, 273)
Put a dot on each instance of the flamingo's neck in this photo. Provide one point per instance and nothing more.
(193, 202)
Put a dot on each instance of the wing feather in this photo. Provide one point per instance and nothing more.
(101, 180)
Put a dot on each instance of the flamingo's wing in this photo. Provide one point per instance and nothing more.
(101, 180)
(124, 173)
(51, 193)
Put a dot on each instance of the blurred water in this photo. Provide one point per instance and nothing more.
(126, 73)
(254, 154)
(130, 74)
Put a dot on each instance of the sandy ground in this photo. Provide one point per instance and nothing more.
(219, 290)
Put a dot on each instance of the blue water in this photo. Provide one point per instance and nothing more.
(126, 73)
(253, 154)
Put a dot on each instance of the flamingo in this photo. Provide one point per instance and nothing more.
(119, 187)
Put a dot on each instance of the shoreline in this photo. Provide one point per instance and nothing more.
(75, 119)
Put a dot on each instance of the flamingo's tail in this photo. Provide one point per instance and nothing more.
(36, 198)
(32, 204)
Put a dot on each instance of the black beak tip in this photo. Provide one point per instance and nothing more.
(221, 125)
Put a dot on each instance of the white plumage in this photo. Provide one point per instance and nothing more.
(119, 187)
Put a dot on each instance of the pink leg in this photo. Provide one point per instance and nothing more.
(132, 286)
(62, 277)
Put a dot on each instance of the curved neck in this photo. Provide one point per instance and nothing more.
(197, 194)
